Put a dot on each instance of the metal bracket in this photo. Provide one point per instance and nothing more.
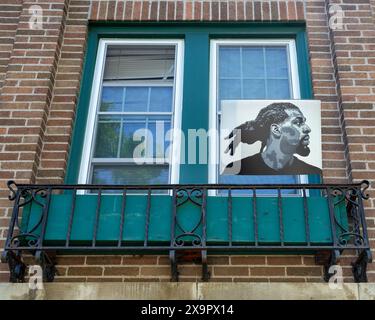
(17, 267)
(174, 269)
(333, 260)
(205, 273)
(189, 256)
(47, 262)
(359, 266)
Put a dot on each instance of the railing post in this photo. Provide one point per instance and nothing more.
(205, 272)
(172, 252)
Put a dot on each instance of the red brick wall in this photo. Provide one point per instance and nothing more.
(39, 103)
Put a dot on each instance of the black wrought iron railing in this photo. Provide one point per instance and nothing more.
(181, 220)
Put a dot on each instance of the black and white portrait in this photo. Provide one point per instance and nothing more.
(261, 137)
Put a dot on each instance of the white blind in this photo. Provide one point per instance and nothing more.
(139, 63)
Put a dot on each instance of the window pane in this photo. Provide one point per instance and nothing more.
(159, 126)
(111, 99)
(254, 89)
(230, 89)
(107, 139)
(253, 62)
(130, 174)
(161, 99)
(278, 89)
(229, 64)
(128, 143)
(277, 62)
(136, 99)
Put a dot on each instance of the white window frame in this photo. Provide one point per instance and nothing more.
(214, 156)
(174, 161)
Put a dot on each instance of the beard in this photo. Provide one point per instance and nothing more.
(303, 150)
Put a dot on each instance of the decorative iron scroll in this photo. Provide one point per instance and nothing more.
(22, 198)
(194, 196)
(30, 237)
(351, 197)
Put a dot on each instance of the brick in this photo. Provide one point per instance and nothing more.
(69, 260)
(304, 271)
(284, 260)
(85, 271)
(235, 271)
(121, 271)
(240, 10)
(188, 10)
(162, 10)
(223, 11)
(266, 11)
(267, 271)
(248, 260)
(143, 260)
(257, 11)
(249, 11)
(103, 260)
(215, 11)
(171, 10)
(155, 271)
(145, 10)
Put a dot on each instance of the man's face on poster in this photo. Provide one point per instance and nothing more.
(294, 134)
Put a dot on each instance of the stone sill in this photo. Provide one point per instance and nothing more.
(187, 291)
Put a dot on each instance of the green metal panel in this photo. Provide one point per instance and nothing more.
(189, 215)
(195, 101)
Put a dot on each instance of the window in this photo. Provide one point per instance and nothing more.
(135, 104)
(250, 69)
(176, 75)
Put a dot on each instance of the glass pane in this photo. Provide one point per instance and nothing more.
(130, 174)
(254, 89)
(111, 99)
(230, 89)
(136, 99)
(229, 65)
(161, 99)
(128, 143)
(107, 139)
(159, 126)
(253, 62)
(277, 62)
(278, 89)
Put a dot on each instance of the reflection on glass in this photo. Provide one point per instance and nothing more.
(254, 89)
(253, 62)
(230, 89)
(130, 174)
(136, 99)
(161, 99)
(111, 99)
(229, 62)
(107, 139)
(278, 89)
(277, 62)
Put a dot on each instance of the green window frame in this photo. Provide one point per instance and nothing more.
(196, 93)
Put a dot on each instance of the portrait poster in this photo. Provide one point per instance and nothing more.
(268, 137)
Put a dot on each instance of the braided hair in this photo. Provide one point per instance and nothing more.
(259, 129)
